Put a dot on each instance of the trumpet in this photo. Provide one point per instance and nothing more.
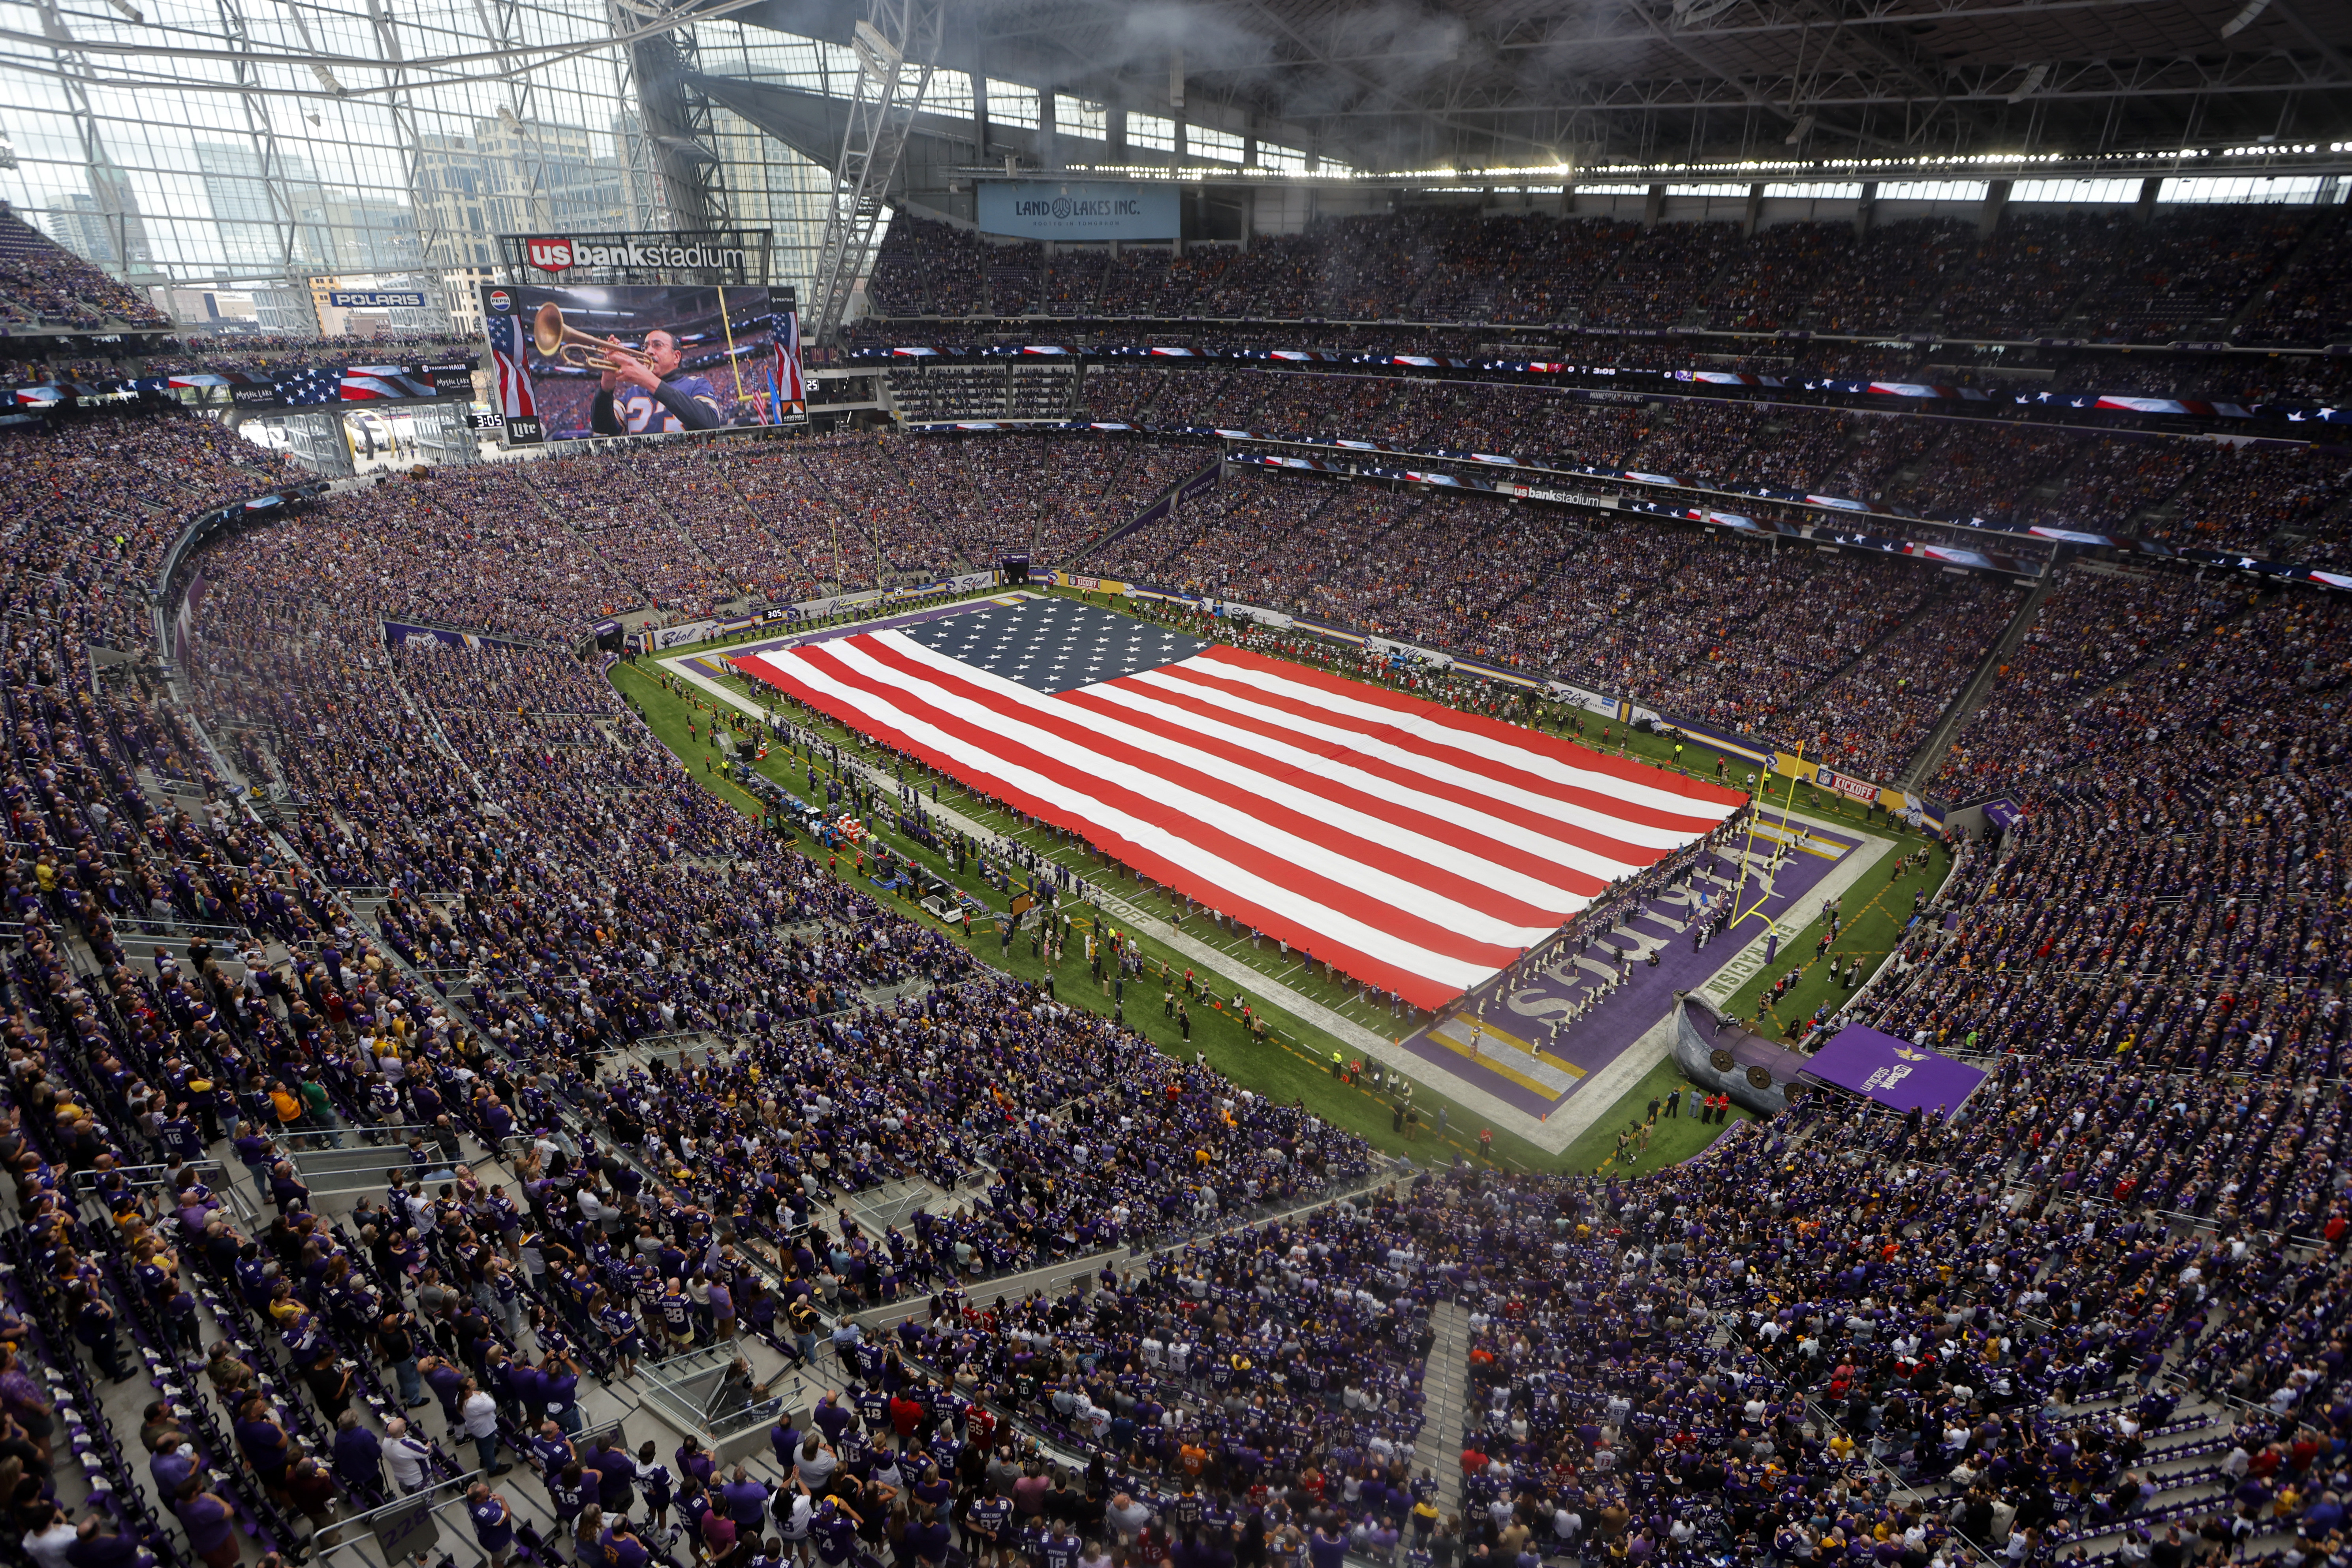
(570, 345)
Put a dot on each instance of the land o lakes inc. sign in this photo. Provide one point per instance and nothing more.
(1079, 209)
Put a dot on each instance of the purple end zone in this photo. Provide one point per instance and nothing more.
(1609, 1027)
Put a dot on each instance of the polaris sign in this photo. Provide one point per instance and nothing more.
(376, 298)
(561, 254)
(1074, 209)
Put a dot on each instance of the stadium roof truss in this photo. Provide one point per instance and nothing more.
(1414, 92)
(1399, 85)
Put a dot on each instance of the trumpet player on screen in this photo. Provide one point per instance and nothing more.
(642, 393)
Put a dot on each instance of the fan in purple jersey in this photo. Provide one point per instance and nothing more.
(642, 393)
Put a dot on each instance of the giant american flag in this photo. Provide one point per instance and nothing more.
(790, 394)
(510, 359)
(1414, 847)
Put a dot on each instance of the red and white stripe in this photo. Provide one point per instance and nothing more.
(790, 390)
(515, 396)
(1414, 847)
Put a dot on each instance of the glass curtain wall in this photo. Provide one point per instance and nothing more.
(205, 170)
(203, 167)
(771, 185)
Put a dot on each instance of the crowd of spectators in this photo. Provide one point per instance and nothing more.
(2097, 1314)
(1771, 278)
(1532, 422)
(927, 268)
(2187, 277)
(1672, 1379)
(2291, 497)
(2199, 370)
(105, 497)
(1073, 278)
(606, 932)
(2111, 484)
(1744, 631)
(544, 549)
(2095, 273)
(1983, 472)
(2092, 629)
(2304, 303)
(2272, 500)
(749, 511)
(473, 546)
(44, 284)
(1874, 715)
(1149, 282)
(241, 353)
(1858, 656)
(1012, 275)
(2025, 283)
(281, 351)
(983, 392)
(977, 499)
(1893, 275)
(19, 370)
(2149, 950)
(1616, 363)
(1698, 441)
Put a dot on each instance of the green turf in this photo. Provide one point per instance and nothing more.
(1671, 1138)
(1291, 1063)
(1875, 910)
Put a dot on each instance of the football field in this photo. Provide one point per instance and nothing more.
(1408, 847)
(1542, 1060)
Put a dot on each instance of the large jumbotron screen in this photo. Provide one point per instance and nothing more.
(641, 360)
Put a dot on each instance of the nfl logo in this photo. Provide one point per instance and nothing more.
(501, 300)
(548, 255)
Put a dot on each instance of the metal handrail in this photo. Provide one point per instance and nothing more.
(459, 1485)
(176, 926)
(147, 1178)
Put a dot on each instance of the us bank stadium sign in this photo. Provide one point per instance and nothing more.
(696, 255)
(1564, 498)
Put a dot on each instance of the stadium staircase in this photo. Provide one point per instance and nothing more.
(1165, 492)
(423, 712)
(1629, 614)
(1445, 1401)
(1930, 754)
(2319, 229)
